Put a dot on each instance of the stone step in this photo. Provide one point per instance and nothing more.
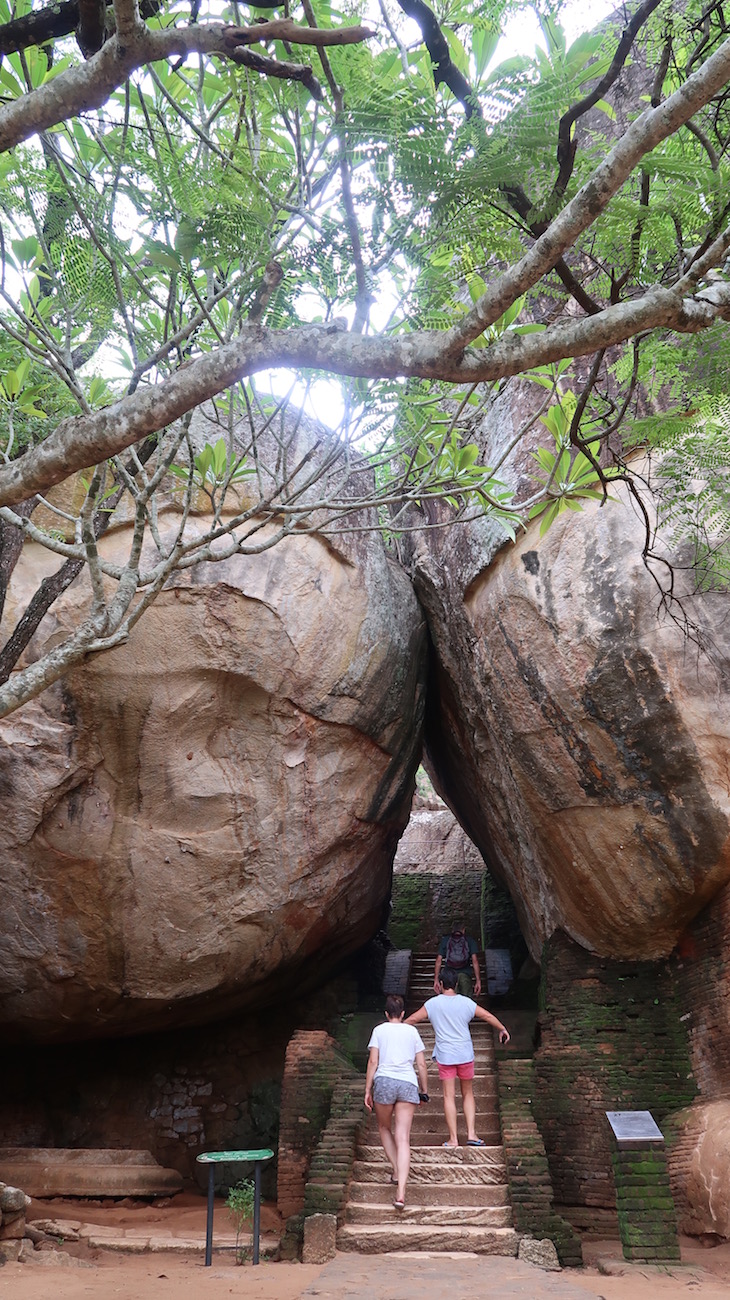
(477, 1216)
(433, 1111)
(437, 1137)
(426, 1125)
(432, 1120)
(431, 1193)
(429, 1174)
(369, 1239)
(427, 1163)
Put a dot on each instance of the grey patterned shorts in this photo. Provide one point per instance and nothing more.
(387, 1091)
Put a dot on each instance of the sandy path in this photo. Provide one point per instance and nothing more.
(82, 1273)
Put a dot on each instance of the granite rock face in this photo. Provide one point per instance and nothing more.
(190, 818)
(433, 841)
(699, 1168)
(580, 738)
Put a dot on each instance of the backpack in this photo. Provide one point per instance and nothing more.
(457, 950)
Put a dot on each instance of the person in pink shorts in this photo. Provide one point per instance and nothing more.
(451, 1014)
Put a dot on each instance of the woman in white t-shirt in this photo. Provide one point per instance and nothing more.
(391, 1087)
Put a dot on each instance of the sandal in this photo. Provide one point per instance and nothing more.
(399, 1205)
(475, 1142)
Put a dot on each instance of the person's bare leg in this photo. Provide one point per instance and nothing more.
(404, 1112)
(449, 1087)
(384, 1115)
(470, 1108)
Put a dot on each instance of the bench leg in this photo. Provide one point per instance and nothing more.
(256, 1209)
(209, 1221)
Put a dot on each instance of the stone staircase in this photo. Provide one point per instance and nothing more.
(420, 985)
(455, 1200)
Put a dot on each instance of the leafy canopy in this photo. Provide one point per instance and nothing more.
(376, 210)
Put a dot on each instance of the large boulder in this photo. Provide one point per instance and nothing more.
(205, 817)
(699, 1167)
(578, 731)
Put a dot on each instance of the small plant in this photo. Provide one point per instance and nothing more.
(240, 1205)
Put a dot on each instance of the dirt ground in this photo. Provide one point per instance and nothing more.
(80, 1272)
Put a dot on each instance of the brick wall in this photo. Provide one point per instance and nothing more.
(424, 904)
(703, 980)
(646, 1214)
(313, 1066)
(612, 1038)
(528, 1173)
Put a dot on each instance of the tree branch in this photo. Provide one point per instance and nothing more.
(89, 86)
(445, 70)
(54, 22)
(91, 30)
(88, 439)
(567, 145)
(643, 135)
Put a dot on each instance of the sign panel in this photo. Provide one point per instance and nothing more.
(634, 1126)
(220, 1157)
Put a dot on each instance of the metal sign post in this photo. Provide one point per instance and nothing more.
(213, 1158)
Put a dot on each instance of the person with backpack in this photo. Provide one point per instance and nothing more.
(459, 953)
(451, 1015)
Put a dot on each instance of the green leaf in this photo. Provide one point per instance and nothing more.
(11, 384)
(484, 44)
(26, 250)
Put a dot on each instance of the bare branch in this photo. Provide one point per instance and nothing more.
(91, 30)
(283, 29)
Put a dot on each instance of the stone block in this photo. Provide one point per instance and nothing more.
(542, 1253)
(12, 1199)
(13, 1229)
(10, 1251)
(320, 1233)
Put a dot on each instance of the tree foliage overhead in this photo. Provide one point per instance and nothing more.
(193, 196)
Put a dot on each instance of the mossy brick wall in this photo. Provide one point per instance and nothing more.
(646, 1215)
(528, 1173)
(313, 1066)
(424, 904)
(500, 926)
(702, 966)
(611, 1038)
(330, 1167)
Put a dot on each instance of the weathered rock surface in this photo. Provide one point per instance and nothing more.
(189, 818)
(434, 841)
(699, 1168)
(580, 738)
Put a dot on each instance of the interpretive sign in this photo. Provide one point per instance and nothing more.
(634, 1126)
(213, 1158)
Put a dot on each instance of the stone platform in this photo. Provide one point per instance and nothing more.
(150, 1239)
(58, 1171)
